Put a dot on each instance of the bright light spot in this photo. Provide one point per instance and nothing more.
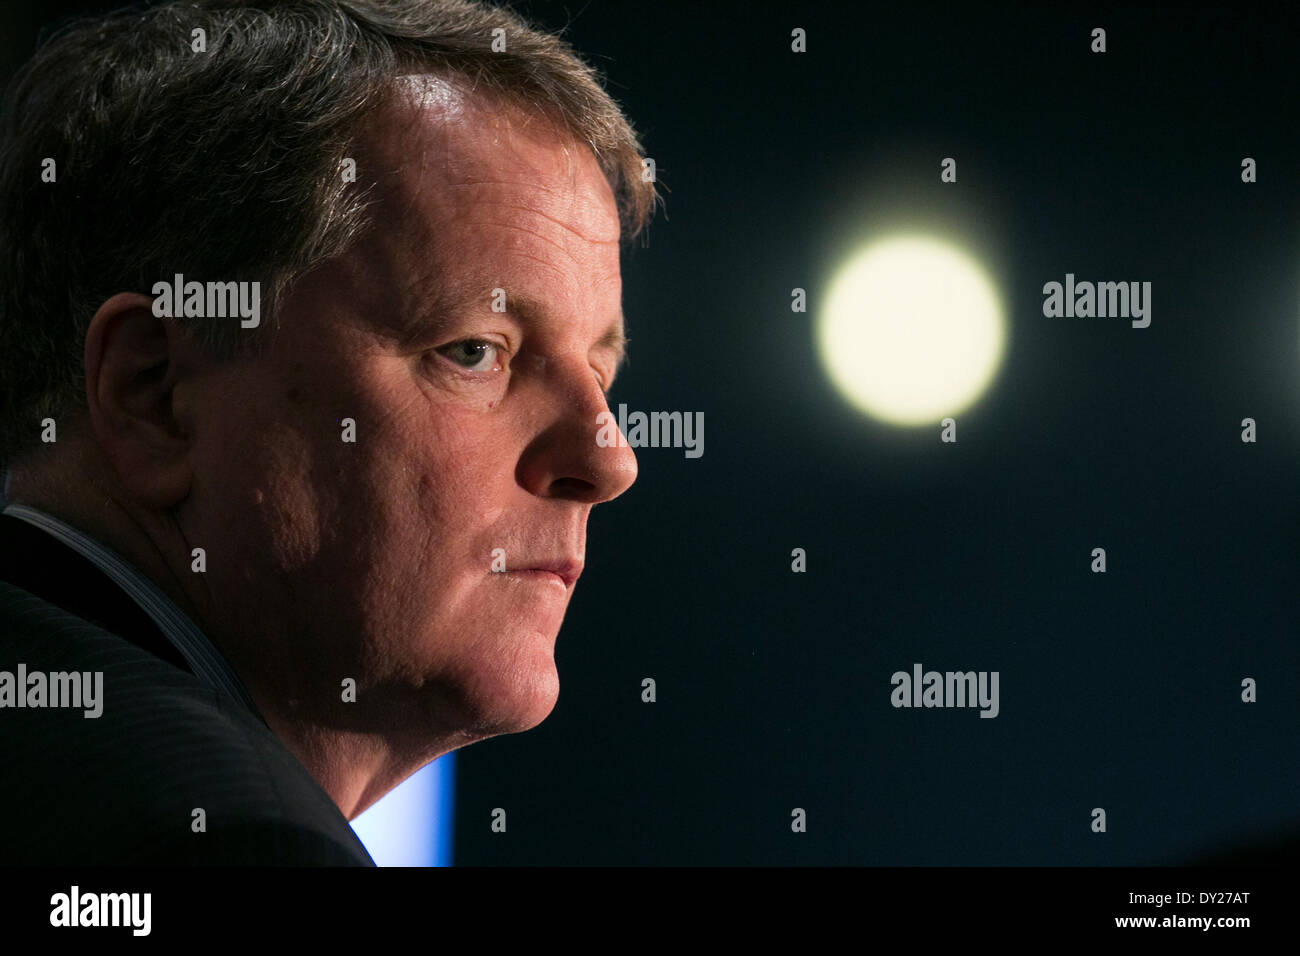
(911, 331)
(411, 825)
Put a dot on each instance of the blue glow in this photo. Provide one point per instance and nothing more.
(411, 824)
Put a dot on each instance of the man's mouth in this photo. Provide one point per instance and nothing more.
(565, 571)
(540, 576)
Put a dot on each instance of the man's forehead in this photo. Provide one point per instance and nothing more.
(472, 199)
(438, 142)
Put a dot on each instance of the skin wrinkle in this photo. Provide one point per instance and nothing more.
(583, 208)
(536, 235)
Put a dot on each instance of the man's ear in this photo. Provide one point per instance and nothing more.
(134, 361)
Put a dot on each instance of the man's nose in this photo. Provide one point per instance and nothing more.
(581, 454)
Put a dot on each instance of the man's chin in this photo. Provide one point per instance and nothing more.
(508, 702)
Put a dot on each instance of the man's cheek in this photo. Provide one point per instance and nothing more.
(293, 510)
(459, 456)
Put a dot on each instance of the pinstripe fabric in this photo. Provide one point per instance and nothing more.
(177, 770)
(205, 660)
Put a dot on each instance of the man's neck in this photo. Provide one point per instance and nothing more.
(354, 768)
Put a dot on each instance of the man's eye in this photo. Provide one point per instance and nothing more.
(474, 355)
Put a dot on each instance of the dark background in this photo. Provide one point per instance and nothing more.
(1120, 690)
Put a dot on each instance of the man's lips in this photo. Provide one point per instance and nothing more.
(565, 570)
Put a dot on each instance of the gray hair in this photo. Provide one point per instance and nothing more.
(227, 163)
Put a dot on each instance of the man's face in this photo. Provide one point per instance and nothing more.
(475, 437)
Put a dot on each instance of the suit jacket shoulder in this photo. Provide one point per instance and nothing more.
(172, 771)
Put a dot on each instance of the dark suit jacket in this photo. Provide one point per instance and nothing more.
(122, 788)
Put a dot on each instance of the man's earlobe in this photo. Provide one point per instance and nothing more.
(134, 361)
